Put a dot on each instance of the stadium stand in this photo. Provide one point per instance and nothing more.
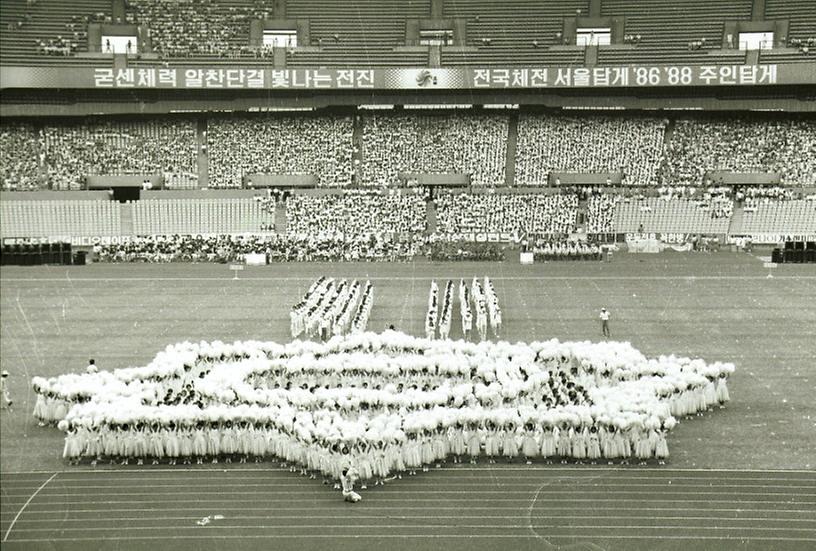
(41, 218)
(365, 23)
(315, 145)
(373, 33)
(199, 216)
(434, 143)
(785, 145)
(496, 35)
(19, 157)
(45, 32)
(535, 213)
(188, 28)
(666, 28)
(654, 214)
(370, 33)
(110, 146)
(800, 13)
(588, 143)
(600, 211)
(780, 216)
(356, 213)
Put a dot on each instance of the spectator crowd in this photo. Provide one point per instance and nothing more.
(315, 145)
(356, 213)
(781, 145)
(459, 213)
(276, 247)
(19, 157)
(185, 28)
(151, 146)
(600, 211)
(449, 143)
(753, 196)
(588, 144)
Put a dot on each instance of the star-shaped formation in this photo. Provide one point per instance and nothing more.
(385, 403)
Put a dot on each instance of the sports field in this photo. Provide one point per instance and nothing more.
(742, 477)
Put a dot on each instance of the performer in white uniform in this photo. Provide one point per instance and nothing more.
(348, 487)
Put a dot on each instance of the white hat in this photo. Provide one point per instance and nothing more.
(4, 373)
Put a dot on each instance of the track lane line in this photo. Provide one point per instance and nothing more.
(43, 485)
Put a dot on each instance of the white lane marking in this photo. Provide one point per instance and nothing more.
(431, 276)
(20, 512)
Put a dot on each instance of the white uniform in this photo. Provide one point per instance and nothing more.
(4, 391)
(348, 488)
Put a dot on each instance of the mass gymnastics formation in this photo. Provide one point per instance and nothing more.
(367, 406)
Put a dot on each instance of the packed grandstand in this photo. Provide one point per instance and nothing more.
(654, 174)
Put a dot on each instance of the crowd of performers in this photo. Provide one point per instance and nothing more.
(381, 405)
(481, 297)
(331, 308)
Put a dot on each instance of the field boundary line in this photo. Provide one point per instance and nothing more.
(20, 512)
(521, 468)
(414, 536)
(411, 278)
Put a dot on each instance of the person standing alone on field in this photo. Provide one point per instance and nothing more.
(605, 322)
(4, 391)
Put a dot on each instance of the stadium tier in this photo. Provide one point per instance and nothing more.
(241, 146)
(201, 216)
(392, 33)
(551, 144)
(456, 143)
(656, 215)
(417, 118)
(61, 217)
(386, 149)
(463, 213)
(356, 213)
(792, 216)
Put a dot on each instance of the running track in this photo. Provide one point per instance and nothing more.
(462, 507)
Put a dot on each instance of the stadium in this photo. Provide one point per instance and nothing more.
(423, 274)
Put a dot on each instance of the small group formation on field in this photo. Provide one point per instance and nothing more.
(480, 296)
(383, 404)
(332, 307)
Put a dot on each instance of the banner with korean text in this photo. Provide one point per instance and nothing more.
(493, 78)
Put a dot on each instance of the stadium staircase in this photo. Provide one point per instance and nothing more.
(430, 217)
(510, 155)
(668, 134)
(203, 156)
(357, 151)
(735, 224)
(126, 218)
(280, 217)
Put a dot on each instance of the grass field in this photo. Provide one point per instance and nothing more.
(718, 307)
